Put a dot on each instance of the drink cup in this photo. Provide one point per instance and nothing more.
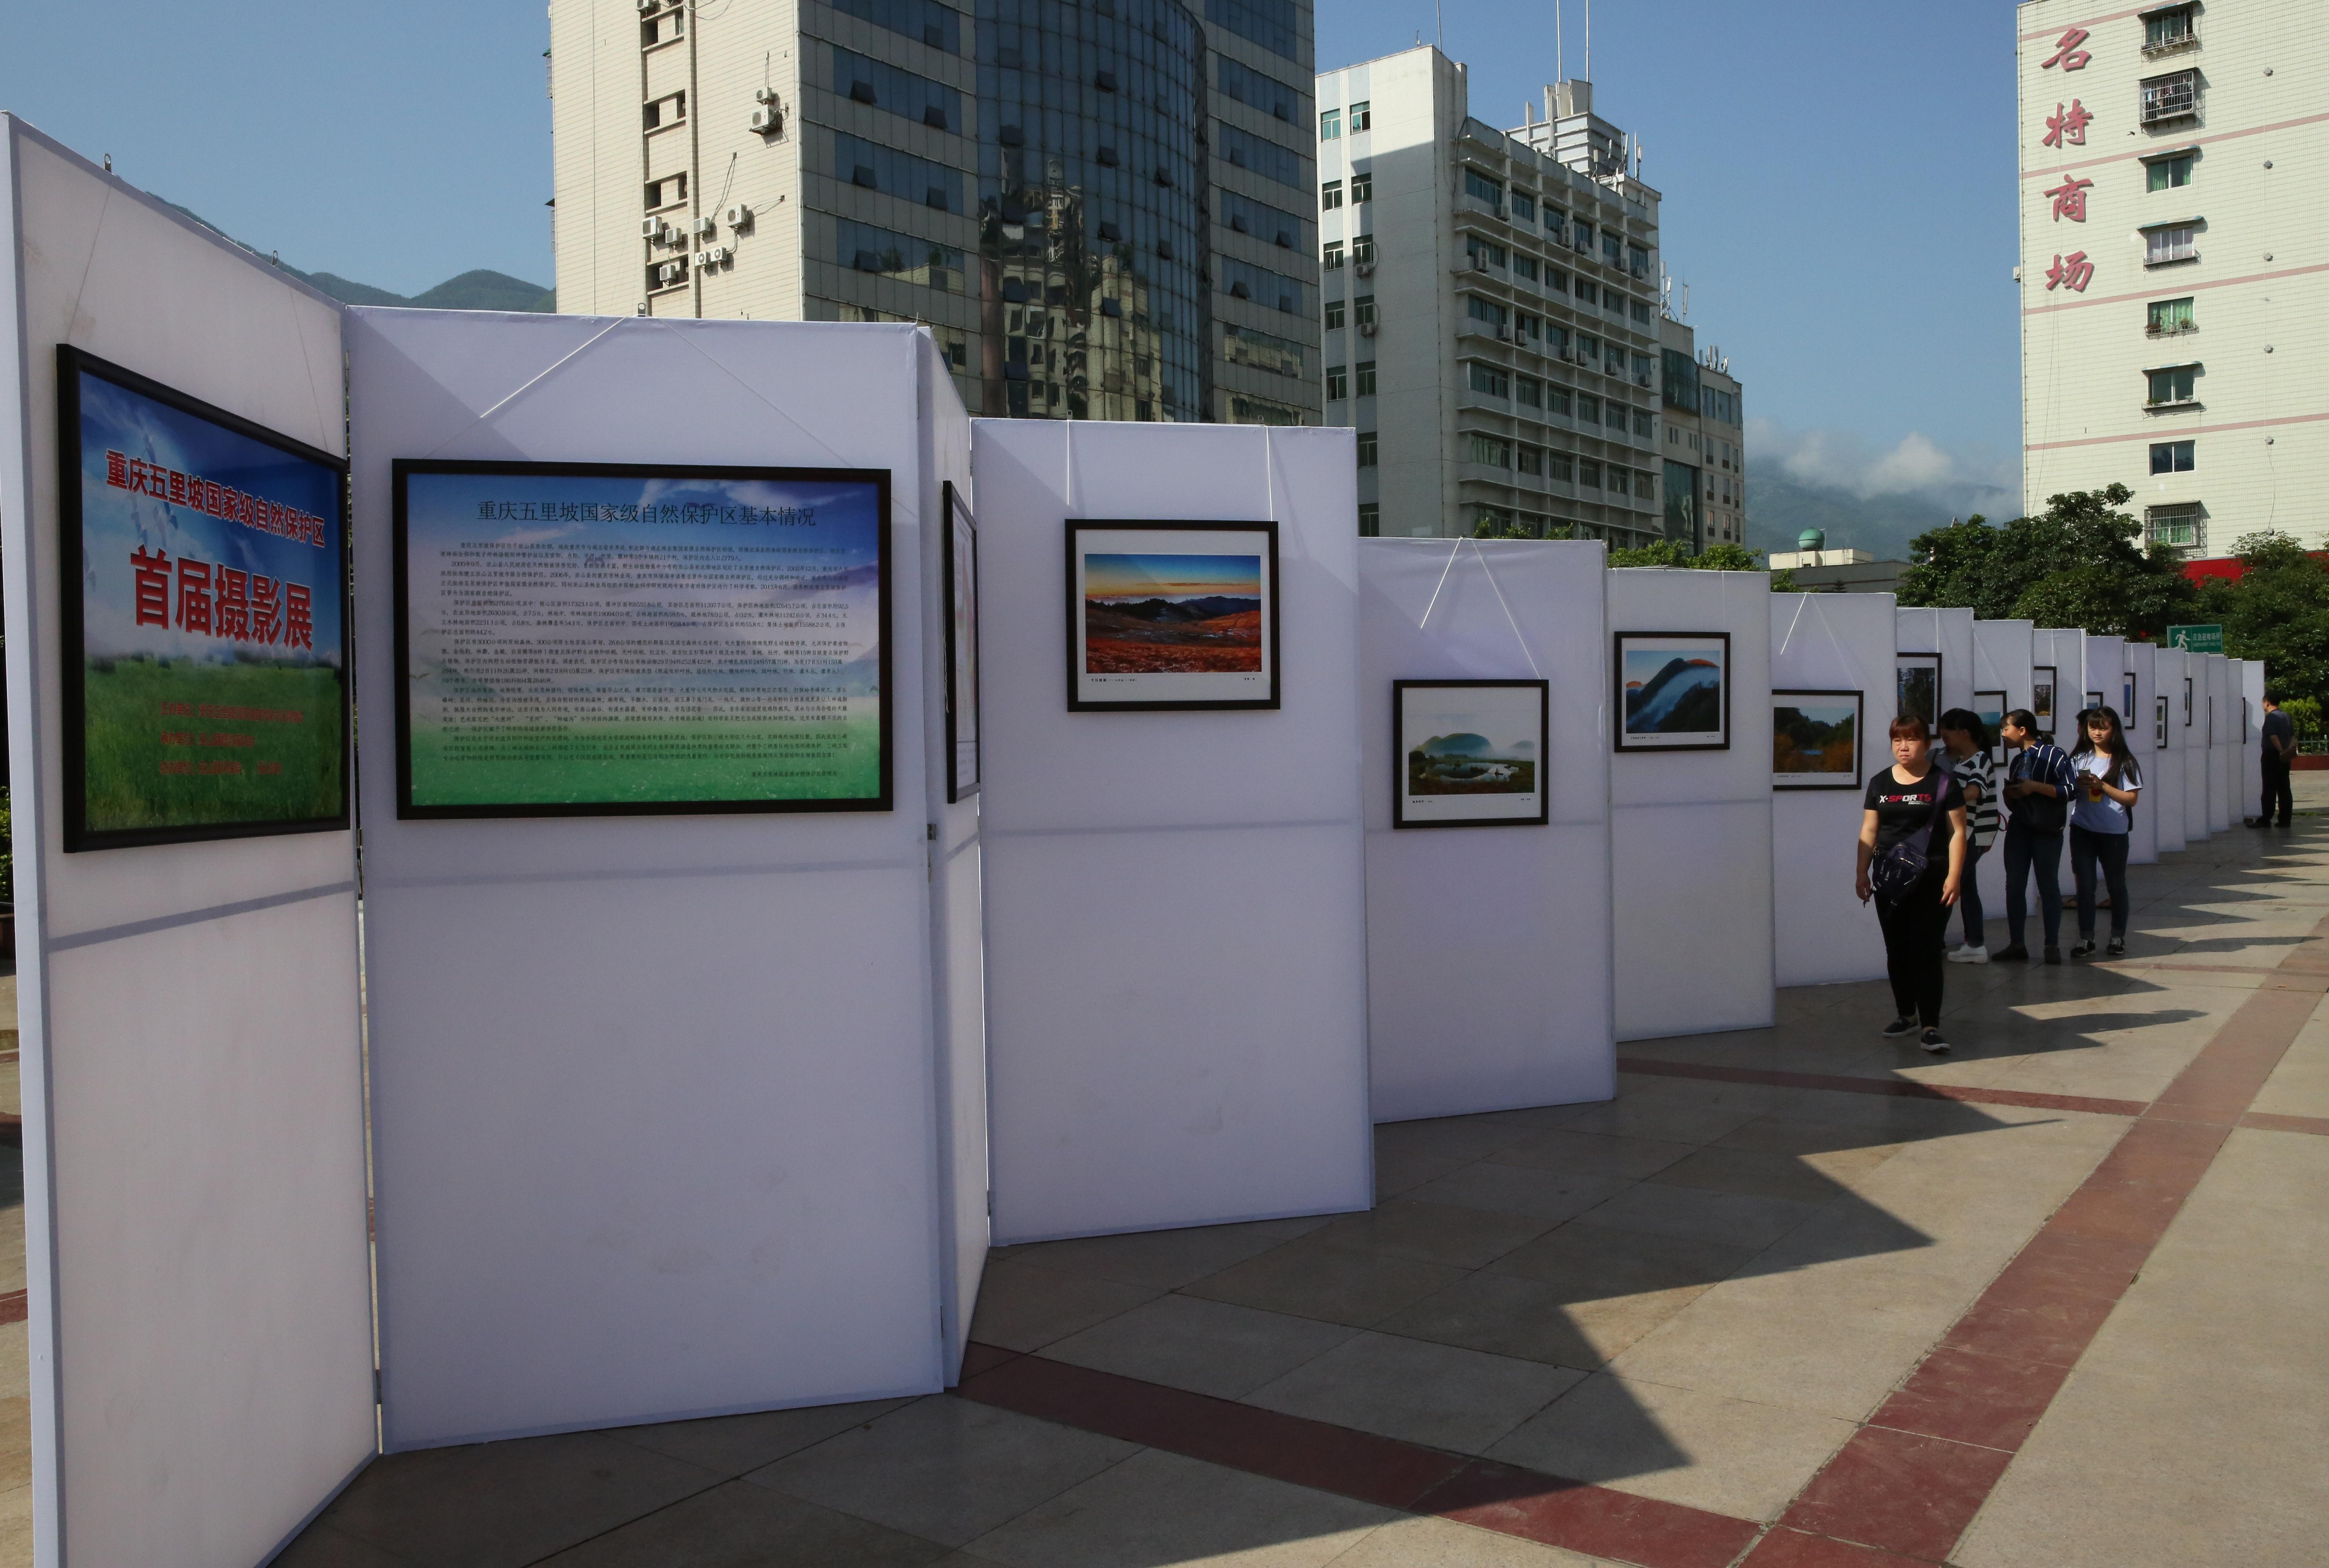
(2094, 787)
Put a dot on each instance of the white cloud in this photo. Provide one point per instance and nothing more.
(1965, 481)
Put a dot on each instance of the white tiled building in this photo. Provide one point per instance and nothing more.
(1494, 328)
(2175, 277)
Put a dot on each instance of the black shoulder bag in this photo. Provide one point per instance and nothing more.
(1900, 868)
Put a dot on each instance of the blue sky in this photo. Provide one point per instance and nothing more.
(1839, 178)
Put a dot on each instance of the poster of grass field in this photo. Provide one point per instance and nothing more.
(590, 639)
(206, 689)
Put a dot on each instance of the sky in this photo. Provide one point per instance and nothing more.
(1839, 178)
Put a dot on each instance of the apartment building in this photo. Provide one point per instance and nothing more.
(1102, 211)
(1704, 416)
(1495, 328)
(2175, 276)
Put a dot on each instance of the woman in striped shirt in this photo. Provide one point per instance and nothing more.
(1965, 740)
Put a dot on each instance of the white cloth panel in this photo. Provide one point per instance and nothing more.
(1691, 855)
(2251, 780)
(2001, 663)
(197, 1285)
(1488, 949)
(1175, 901)
(2170, 823)
(2224, 724)
(1947, 632)
(2142, 730)
(2197, 763)
(646, 1087)
(1820, 933)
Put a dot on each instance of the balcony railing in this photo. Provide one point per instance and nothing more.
(2169, 98)
(2169, 328)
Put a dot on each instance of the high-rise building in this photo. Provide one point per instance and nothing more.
(2175, 277)
(1104, 210)
(1496, 328)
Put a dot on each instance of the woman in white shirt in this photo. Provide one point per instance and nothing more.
(1965, 740)
(2109, 782)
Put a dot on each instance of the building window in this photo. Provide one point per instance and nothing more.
(1483, 252)
(1335, 308)
(901, 93)
(1246, 215)
(1637, 260)
(1585, 292)
(1556, 341)
(1489, 379)
(1581, 236)
(1524, 326)
(1589, 472)
(1363, 311)
(1614, 415)
(1480, 185)
(668, 192)
(1529, 461)
(1245, 345)
(2162, 246)
(1330, 195)
(1271, 160)
(2172, 384)
(1366, 378)
(1338, 382)
(867, 249)
(2168, 174)
(1269, 23)
(1613, 246)
(1561, 466)
(1330, 124)
(2178, 526)
(1556, 399)
(1529, 392)
(1523, 208)
(1523, 267)
(665, 111)
(2171, 456)
(2168, 32)
(1265, 93)
(1363, 250)
(1641, 312)
(1369, 519)
(2168, 318)
(1618, 485)
(1492, 451)
(898, 173)
(1646, 423)
(1486, 310)
(1362, 188)
(1366, 448)
(1245, 411)
(1330, 257)
(2175, 96)
(1244, 280)
(1589, 348)
(1589, 408)
(1361, 117)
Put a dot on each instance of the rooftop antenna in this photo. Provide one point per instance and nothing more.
(1557, 75)
(1439, 23)
(1588, 40)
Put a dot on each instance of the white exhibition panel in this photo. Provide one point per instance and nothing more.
(2169, 820)
(1820, 933)
(1489, 949)
(2001, 663)
(2142, 732)
(1945, 632)
(2251, 780)
(1175, 901)
(197, 1286)
(1691, 830)
(2224, 727)
(656, 1100)
(2197, 761)
(2064, 648)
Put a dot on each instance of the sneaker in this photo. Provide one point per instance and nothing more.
(2016, 954)
(1970, 954)
(2084, 950)
(2053, 955)
(2117, 950)
(1900, 1027)
(1931, 1041)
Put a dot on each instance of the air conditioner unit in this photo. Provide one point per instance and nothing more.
(650, 229)
(646, 6)
(705, 227)
(720, 255)
(763, 95)
(738, 216)
(1366, 329)
(671, 272)
(768, 121)
(1363, 269)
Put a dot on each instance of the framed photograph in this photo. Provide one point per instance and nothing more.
(1673, 691)
(1917, 676)
(2187, 702)
(2126, 698)
(2042, 696)
(1990, 708)
(1172, 615)
(203, 619)
(2094, 701)
(606, 639)
(2159, 717)
(959, 572)
(1816, 740)
(1469, 753)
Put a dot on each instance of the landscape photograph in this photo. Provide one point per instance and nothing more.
(1467, 763)
(1157, 613)
(1469, 752)
(1673, 690)
(1816, 740)
(1920, 678)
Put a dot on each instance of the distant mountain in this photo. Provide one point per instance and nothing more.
(1685, 695)
(1463, 743)
(1778, 508)
(1211, 608)
(478, 290)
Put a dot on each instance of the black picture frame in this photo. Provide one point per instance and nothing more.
(1982, 709)
(73, 365)
(1074, 626)
(2094, 701)
(1399, 749)
(2187, 702)
(402, 470)
(2044, 679)
(1796, 782)
(2127, 697)
(2159, 739)
(1621, 740)
(1902, 664)
(958, 538)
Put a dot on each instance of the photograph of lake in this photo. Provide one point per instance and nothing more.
(1469, 752)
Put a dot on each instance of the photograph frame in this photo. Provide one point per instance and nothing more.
(2187, 702)
(2094, 701)
(1904, 662)
(960, 530)
(2126, 695)
(2159, 738)
(73, 364)
(1271, 597)
(1996, 738)
(401, 470)
(1621, 740)
(1399, 749)
(1859, 780)
(2046, 678)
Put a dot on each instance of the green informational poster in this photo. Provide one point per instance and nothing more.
(2197, 638)
(599, 639)
(204, 670)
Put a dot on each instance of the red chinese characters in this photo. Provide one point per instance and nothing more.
(230, 607)
(2067, 52)
(140, 478)
(152, 592)
(2066, 127)
(225, 602)
(2070, 200)
(2072, 272)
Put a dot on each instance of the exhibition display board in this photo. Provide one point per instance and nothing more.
(1175, 896)
(1825, 647)
(1488, 949)
(2001, 684)
(2139, 681)
(197, 1289)
(1691, 813)
(2058, 673)
(2250, 784)
(671, 936)
(2197, 763)
(2171, 824)
(2223, 730)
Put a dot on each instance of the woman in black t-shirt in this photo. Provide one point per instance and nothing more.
(1912, 800)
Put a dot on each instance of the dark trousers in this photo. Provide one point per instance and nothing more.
(2277, 790)
(2089, 849)
(2026, 852)
(1915, 926)
(1969, 897)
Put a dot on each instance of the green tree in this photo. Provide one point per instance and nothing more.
(2278, 612)
(2077, 563)
(1713, 558)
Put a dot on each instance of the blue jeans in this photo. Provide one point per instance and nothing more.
(2024, 851)
(2089, 849)
(1969, 895)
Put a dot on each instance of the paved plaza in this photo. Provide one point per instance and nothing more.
(1799, 1297)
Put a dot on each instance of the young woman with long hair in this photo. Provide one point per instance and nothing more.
(2109, 783)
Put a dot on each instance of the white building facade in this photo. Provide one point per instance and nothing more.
(2175, 276)
(1493, 321)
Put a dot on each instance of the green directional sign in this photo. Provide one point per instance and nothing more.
(2197, 638)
